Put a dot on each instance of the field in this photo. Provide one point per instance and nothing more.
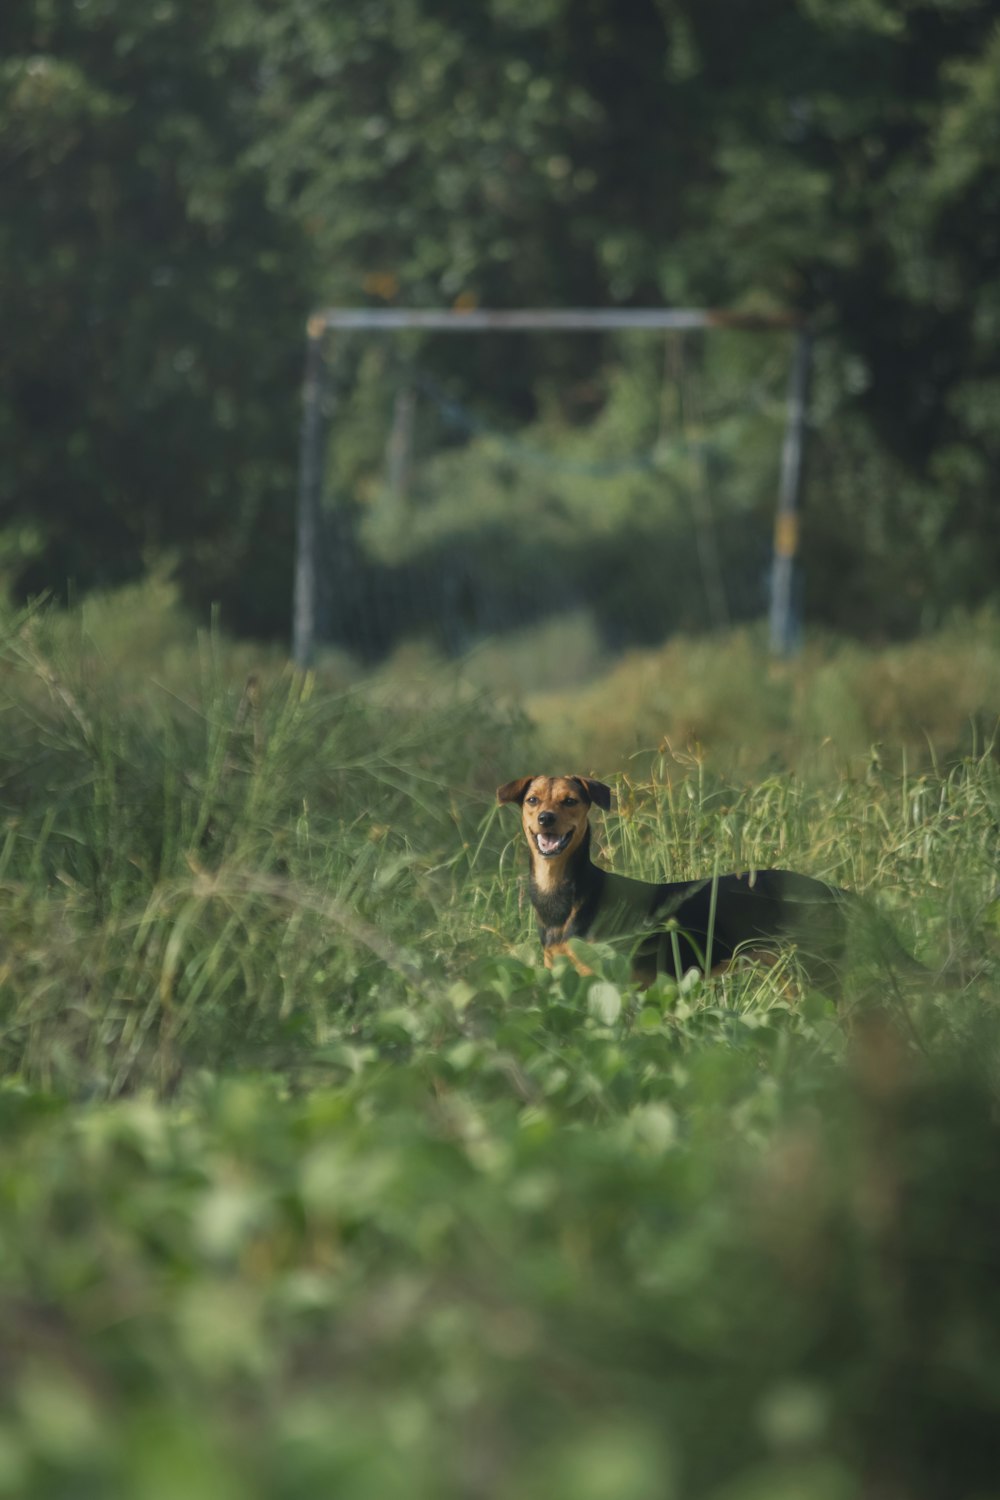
(315, 1183)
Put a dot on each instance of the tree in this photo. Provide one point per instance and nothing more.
(151, 305)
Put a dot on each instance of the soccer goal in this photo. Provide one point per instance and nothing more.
(320, 415)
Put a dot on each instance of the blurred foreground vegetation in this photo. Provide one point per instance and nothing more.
(314, 1181)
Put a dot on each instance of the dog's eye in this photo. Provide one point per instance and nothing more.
(531, 801)
(570, 801)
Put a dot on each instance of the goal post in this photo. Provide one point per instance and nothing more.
(329, 321)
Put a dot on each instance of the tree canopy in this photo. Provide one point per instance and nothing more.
(181, 185)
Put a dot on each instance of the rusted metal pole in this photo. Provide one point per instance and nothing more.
(785, 621)
(311, 461)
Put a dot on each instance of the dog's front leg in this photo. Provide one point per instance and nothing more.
(563, 950)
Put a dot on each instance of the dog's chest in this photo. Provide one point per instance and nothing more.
(563, 911)
(555, 912)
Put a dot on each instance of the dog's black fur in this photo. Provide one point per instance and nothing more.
(676, 925)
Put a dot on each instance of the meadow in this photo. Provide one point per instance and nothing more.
(314, 1181)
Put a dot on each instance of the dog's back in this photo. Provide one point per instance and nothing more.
(707, 923)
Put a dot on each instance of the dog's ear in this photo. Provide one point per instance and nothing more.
(598, 793)
(514, 791)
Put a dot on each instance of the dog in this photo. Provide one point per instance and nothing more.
(675, 925)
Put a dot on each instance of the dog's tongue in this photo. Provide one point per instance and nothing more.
(548, 843)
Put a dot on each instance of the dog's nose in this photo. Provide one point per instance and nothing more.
(546, 819)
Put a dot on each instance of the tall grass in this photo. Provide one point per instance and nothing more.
(227, 863)
(225, 868)
(934, 699)
(314, 1181)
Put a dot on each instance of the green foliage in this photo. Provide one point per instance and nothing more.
(651, 515)
(314, 1179)
(837, 704)
(151, 306)
(184, 183)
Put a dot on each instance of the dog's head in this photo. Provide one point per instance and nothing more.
(554, 810)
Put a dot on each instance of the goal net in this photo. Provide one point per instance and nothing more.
(621, 484)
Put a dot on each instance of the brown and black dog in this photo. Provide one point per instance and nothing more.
(677, 924)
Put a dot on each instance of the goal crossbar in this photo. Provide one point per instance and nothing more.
(553, 320)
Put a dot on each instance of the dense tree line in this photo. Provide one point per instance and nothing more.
(181, 183)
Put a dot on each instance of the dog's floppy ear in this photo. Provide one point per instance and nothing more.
(599, 794)
(514, 791)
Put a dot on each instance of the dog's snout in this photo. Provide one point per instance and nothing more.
(546, 819)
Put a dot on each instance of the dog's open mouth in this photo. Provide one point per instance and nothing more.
(549, 844)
